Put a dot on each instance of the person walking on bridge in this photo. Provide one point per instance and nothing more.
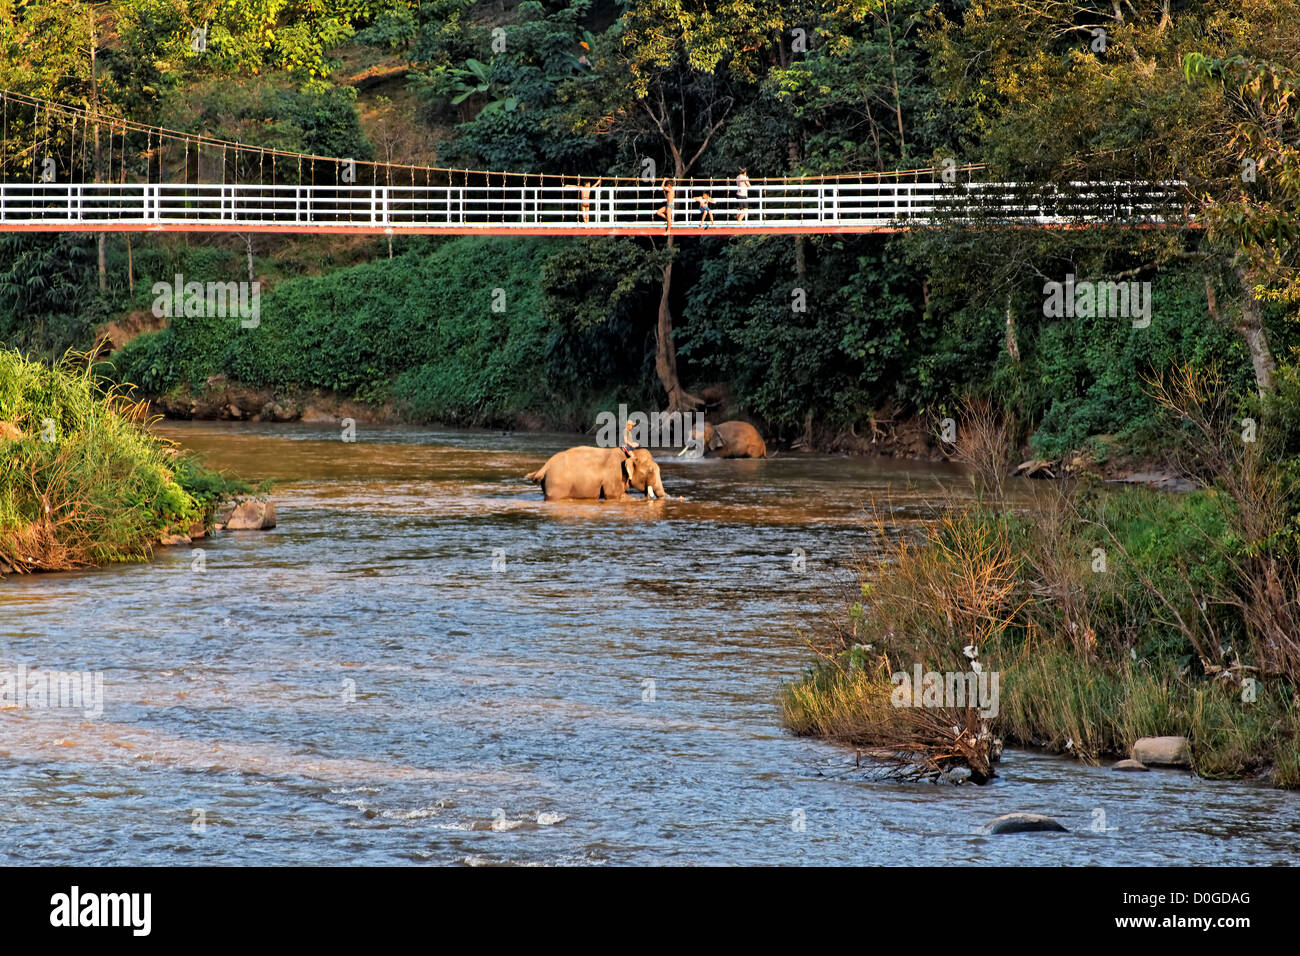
(742, 195)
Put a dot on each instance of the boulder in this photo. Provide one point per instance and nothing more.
(170, 540)
(1163, 751)
(1130, 765)
(1023, 823)
(955, 775)
(252, 515)
(275, 412)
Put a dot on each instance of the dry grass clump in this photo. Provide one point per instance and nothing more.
(933, 604)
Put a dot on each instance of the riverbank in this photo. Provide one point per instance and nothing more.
(902, 438)
(1081, 625)
(83, 482)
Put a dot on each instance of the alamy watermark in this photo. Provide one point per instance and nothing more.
(973, 688)
(1102, 300)
(130, 910)
(212, 300)
(36, 689)
(651, 430)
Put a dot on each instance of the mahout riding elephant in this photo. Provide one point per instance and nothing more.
(728, 440)
(590, 472)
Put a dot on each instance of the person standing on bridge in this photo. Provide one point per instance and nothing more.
(704, 203)
(585, 193)
(666, 210)
(742, 195)
(584, 196)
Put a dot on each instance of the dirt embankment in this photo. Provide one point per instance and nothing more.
(221, 399)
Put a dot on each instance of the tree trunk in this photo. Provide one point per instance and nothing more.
(1013, 344)
(94, 89)
(248, 248)
(99, 240)
(679, 400)
(1251, 329)
(898, 99)
(796, 159)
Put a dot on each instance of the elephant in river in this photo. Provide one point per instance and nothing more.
(590, 472)
(728, 440)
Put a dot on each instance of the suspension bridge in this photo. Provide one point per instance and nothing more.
(68, 169)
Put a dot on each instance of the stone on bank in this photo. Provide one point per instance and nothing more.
(1163, 751)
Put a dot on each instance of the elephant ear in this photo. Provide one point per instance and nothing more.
(716, 440)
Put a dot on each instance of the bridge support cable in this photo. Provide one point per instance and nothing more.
(157, 181)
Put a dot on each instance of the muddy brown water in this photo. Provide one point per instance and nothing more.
(426, 663)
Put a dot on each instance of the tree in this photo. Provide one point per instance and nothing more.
(1255, 208)
(1059, 91)
(656, 80)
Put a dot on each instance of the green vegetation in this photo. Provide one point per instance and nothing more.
(82, 482)
(1108, 616)
(890, 330)
(477, 350)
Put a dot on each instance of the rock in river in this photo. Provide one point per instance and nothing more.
(1163, 751)
(252, 515)
(1130, 765)
(1023, 823)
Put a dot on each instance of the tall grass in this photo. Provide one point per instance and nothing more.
(1109, 616)
(82, 481)
(939, 602)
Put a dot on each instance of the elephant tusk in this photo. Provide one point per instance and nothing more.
(685, 448)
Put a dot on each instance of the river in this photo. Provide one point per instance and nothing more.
(425, 663)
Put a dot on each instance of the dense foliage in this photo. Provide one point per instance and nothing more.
(810, 336)
(477, 350)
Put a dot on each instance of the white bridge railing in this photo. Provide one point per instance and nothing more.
(797, 205)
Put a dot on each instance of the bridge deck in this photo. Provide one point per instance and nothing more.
(776, 207)
(499, 230)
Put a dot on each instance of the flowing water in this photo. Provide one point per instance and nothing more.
(426, 663)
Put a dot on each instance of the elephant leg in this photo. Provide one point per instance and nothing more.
(558, 487)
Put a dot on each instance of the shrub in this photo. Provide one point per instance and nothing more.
(420, 329)
(82, 482)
